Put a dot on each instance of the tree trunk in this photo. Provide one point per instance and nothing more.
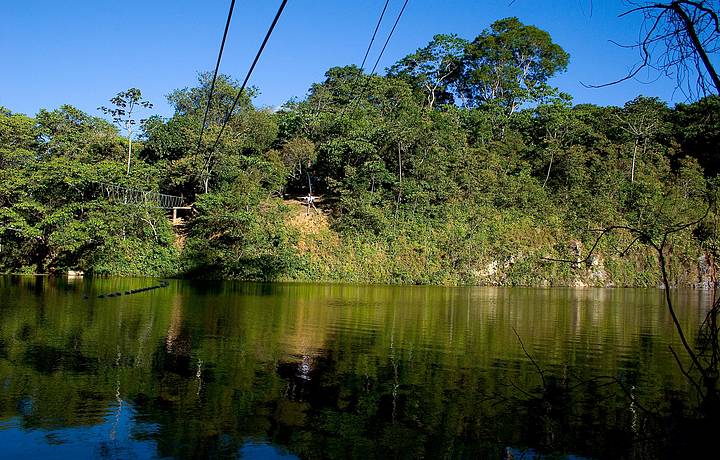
(697, 44)
(632, 171)
(207, 171)
(547, 176)
(431, 94)
(129, 150)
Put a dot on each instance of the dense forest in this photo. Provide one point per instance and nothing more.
(460, 165)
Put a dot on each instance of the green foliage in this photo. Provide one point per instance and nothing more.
(71, 133)
(461, 165)
(16, 132)
(435, 69)
(197, 167)
(298, 156)
(509, 64)
(53, 216)
(192, 101)
(237, 236)
(697, 129)
(124, 104)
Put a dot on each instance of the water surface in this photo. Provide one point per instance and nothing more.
(244, 370)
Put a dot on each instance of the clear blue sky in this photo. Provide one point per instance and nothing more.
(82, 52)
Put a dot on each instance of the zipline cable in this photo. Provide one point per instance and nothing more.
(372, 40)
(367, 52)
(215, 74)
(250, 71)
(392, 31)
(382, 51)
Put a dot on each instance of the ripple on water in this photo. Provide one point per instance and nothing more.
(227, 369)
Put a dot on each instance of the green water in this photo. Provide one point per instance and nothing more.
(196, 370)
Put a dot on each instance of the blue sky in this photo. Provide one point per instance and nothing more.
(82, 52)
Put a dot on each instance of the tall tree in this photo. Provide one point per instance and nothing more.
(435, 68)
(191, 101)
(123, 113)
(191, 170)
(70, 132)
(555, 120)
(642, 118)
(298, 155)
(509, 64)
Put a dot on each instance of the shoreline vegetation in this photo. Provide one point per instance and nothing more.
(461, 165)
(322, 256)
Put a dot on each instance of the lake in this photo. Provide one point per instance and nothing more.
(229, 369)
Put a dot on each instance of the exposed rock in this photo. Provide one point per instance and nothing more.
(494, 272)
(596, 271)
(595, 261)
(707, 272)
(491, 269)
(578, 283)
(576, 247)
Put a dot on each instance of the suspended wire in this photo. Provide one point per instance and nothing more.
(247, 77)
(392, 31)
(215, 74)
(377, 61)
(367, 52)
(372, 40)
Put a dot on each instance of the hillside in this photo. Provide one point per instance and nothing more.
(459, 180)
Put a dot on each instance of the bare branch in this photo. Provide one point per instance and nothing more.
(679, 38)
(684, 372)
(645, 53)
(532, 360)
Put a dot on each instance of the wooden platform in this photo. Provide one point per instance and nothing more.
(176, 220)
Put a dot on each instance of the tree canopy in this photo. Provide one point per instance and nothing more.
(462, 164)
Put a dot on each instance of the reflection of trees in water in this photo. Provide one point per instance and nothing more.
(681, 429)
(172, 341)
(355, 371)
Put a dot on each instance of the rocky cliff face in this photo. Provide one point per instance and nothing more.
(707, 272)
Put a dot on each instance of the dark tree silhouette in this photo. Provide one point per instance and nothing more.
(678, 39)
